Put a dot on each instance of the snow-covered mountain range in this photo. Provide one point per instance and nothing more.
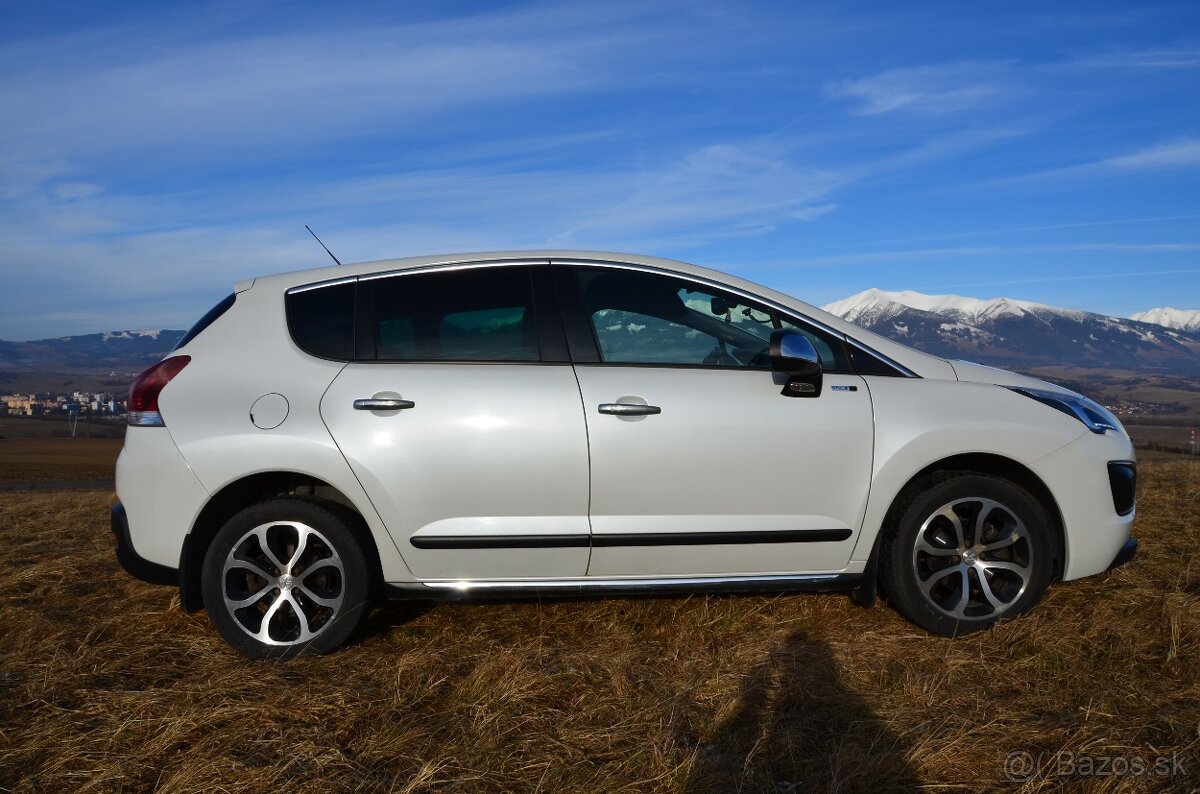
(1021, 334)
(120, 350)
(1181, 319)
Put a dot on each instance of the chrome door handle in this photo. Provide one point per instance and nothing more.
(383, 404)
(629, 409)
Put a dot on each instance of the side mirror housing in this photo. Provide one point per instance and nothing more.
(793, 355)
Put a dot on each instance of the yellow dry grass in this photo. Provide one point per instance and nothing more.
(105, 685)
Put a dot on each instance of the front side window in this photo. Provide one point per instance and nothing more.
(478, 314)
(647, 318)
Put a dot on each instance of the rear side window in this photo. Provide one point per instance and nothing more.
(208, 319)
(322, 320)
(478, 314)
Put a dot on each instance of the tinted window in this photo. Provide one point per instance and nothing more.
(479, 314)
(867, 364)
(208, 319)
(646, 318)
(322, 320)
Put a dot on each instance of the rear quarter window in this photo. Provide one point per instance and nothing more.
(321, 320)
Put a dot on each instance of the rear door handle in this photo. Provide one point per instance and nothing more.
(629, 409)
(383, 404)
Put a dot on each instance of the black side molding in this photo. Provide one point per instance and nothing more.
(499, 541)
(720, 538)
(134, 564)
(628, 539)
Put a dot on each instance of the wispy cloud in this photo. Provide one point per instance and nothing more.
(1024, 229)
(940, 88)
(1061, 279)
(1170, 154)
(1136, 59)
(969, 252)
(1175, 153)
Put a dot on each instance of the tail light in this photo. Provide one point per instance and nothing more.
(143, 394)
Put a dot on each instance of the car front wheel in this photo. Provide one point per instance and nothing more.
(285, 577)
(966, 550)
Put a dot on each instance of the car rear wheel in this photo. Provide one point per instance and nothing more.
(965, 551)
(286, 577)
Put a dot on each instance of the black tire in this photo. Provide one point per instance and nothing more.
(962, 531)
(329, 580)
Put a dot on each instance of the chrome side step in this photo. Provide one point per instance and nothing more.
(510, 588)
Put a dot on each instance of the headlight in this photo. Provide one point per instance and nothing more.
(1097, 418)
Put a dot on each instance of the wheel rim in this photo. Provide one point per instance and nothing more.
(972, 558)
(283, 583)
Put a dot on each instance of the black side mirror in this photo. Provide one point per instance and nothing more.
(793, 355)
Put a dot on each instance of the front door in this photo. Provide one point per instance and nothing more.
(699, 464)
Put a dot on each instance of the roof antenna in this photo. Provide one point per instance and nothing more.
(318, 239)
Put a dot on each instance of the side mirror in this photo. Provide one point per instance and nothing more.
(793, 355)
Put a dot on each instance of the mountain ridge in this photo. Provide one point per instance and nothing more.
(1179, 319)
(129, 349)
(1020, 334)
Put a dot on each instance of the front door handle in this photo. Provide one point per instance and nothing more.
(629, 409)
(383, 404)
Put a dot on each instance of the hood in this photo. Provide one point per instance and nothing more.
(978, 373)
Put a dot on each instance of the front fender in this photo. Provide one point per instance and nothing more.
(920, 422)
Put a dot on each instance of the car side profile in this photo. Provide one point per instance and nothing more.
(568, 423)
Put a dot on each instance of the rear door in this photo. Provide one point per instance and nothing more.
(464, 423)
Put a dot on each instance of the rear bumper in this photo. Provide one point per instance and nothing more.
(133, 563)
(1127, 553)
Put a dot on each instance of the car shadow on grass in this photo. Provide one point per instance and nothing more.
(797, 728)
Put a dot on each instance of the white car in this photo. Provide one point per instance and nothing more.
(568, 422)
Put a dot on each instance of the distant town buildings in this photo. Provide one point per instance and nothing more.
(45, 403)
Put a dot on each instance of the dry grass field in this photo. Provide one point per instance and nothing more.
(105, 685)
(29, 459)
(58, 427)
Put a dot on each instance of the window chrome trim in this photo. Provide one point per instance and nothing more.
(333, 282)
(455, 265)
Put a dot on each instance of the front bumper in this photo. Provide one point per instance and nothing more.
(1127, 553)
(133, 563)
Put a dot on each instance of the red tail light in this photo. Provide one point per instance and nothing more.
(143, 394)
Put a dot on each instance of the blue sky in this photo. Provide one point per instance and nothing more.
(153, 154)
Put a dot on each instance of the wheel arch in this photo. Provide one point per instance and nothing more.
(996, 466)
(239, 494)
(976, 462)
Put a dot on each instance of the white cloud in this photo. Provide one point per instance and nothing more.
(1139, 59)
(1176, 153)
(1170, 154)
(941, 88)
(811, 213)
